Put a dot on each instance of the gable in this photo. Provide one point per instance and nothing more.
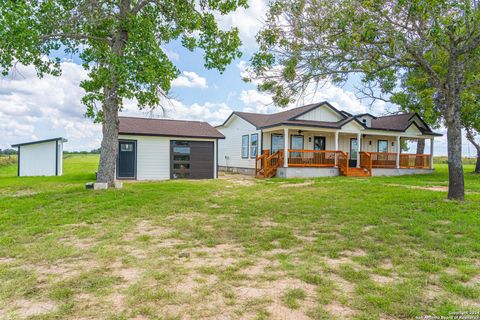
(236, 121)
(352, 126)
(419, 122)
(321, 113)
(413, 130)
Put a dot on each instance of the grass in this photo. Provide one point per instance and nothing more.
(344, 248)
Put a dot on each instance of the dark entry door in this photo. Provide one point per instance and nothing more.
(192, 159)
(353, 152)
(318, 143)
(127, 157)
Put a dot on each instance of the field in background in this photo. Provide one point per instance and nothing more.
(344, 248)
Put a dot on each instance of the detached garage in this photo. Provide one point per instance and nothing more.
(159, 149)
(40, 158)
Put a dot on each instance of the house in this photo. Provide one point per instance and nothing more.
(40, 158)
(159, 149)
(319, 140)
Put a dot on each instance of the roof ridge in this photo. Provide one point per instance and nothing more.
(396, 115)
(163, 119)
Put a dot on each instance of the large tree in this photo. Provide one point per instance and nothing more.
(120, 43)
(329, 40)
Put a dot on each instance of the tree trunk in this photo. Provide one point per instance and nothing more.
(456, 188)
(110, 106)
(420, 150)
(477, 166)
(471, 137)
(109, 149)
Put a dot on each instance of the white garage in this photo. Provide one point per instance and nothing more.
(40, 158)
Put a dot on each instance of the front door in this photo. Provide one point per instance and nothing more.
(126, 159)
(318, 143)
(353, 152)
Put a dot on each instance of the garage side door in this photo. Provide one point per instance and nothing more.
(192, 159)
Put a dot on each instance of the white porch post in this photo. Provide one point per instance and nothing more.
(336, 148)
(359, 146)
(397, 160)
(431, 153)
(286, 142)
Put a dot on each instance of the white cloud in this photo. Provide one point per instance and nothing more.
(190, 80)
(33, 108)
(248, 21)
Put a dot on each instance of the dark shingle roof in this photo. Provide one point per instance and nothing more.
(398, 122)
(164, 127)
(393, 122)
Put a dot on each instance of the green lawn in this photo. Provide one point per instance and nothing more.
(344, 248)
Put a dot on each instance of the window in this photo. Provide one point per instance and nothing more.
(180, 159)
(382, 146)
(296, 143)
(277, 142)
(245, 146)
(254, 146)
(126, 147)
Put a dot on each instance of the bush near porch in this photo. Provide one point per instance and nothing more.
(345, 248)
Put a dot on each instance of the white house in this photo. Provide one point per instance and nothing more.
(322, 141)
(159, 149)
(40, 158)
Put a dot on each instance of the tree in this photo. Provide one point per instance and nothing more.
(120, 44)
(314, 41)
(471, 122)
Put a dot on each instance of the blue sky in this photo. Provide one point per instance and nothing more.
(32, 108)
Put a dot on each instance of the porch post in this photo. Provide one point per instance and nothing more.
(359, 145)
(397, 160)
(431, 153)
(286, 142)
(336, 148)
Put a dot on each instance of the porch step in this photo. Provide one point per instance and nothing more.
(357, 172)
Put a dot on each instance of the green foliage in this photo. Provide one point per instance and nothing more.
(119, 42)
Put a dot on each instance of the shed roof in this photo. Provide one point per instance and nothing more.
(166, 127)
(39, 141)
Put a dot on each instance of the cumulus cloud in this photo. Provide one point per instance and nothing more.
(33, 108)
(190, 79)
(248, 21)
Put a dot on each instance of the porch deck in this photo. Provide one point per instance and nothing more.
(267, 164)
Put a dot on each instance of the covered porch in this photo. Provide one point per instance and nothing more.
(339, 152)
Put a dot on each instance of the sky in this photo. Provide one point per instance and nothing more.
(37, 109)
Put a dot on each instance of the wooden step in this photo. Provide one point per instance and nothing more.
(357, 172)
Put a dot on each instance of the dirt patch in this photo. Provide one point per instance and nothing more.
(23, 193)
(429, 188)
(78, 243)
(344, 286)
(268, 224)
(238, 179)
(28, 308)
(294, 185)
(339, 310)
(145, 228)
(383, 280)
(353, 253)
(7, 260)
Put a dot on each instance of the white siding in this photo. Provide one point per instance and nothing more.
(366, 146)
(38, 159)
(60, 157)
(366, 120)
(322, 113)
(413, 130)
(153, 155)
(230, 149)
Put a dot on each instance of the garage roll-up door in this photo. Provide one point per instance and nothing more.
(191, 159)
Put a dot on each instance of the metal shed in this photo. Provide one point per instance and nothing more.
(40, 158)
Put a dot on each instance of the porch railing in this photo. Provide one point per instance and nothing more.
(417, 161)
(266, 164)
(366, 161)
(342, 162)
(311, 158)
(383, 159)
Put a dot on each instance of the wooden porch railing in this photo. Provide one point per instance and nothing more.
(417, 161)
(266, 164)
(342, 162)
(383, 159)
(366, 161)
(311, 158)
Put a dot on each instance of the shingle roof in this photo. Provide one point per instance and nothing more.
(164, 127)
(393, 122)
(398, 122)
